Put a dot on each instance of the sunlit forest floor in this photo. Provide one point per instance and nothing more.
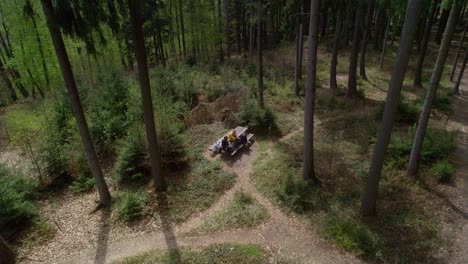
(254, 207)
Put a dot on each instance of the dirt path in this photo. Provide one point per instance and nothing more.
(282, 235)
(458, 195)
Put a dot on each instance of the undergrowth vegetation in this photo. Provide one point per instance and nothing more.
(242, 211)
(216, 254)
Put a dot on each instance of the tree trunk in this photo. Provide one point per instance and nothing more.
(413, 166)
(139, 43)
(192, 29)
(251, 40)
(65, 67)
(9, 86)
(7, 255)
(301, 42)
(238, 26)
(365, 36)
(334, 59)
(455, 61)
(228, 27)
(312, 43)
(442, 23)
(456, 89)
(41, 52)
(179, 44)
(220, 31)
(369, 198)
(384, 45)
(181, 12)
(299, 51)
(422, 54)
(260, 53)
(352, 78)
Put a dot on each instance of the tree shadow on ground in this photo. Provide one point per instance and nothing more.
(103, 238)
(169, 235)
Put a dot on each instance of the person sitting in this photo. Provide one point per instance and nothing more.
(225, 143)
(243, 139)
(232, 137)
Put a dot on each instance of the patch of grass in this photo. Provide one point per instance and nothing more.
(352, 236)
(406, 113)
(221, 253)
(333, 103)
(299, 195)
(204, 183)
(129, 206)
(443, 171)
(17, 209)
(243, 211)
(257, 119)
(39, 233)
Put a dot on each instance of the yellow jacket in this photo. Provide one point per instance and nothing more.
(232, 137)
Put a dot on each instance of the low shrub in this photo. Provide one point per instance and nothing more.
(132, 165)
(399, 150)
(299, 195)
(132, 158)
(353, 237)
(257, 119)
(129, 206)
(332, 103)
(443, 171)
(438, 144)
(85, 181)
(406, 113)
(107, 107)
(17, 210)
(443, 103)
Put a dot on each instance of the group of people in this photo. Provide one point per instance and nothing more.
(231, 141)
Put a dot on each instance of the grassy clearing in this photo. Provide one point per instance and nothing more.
(242, 211)
(203, 185)
(405, 230)
(222, 254)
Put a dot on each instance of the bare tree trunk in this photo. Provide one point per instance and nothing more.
(309, 111)
(238, 26)
(365, 39)
(41, 52)
(181, 12)
(369, 198)
(442, 23)
(192, 29)
(179, 44)
(384, 45)
(299, 51)
(251, 41)
(220, 31)
(228, 27)
(301, 42)
(455, 61)
(456, 89)
(139, 40)
(413, 166)
(422, 54)
(260, 54)
(65, 66)
(7, 255)
(334, 59)
(352, 78)
(9, 86)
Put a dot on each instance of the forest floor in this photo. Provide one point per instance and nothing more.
(82, 237)
(284, 236)
(457, 195)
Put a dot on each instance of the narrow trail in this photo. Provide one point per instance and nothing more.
(457, 197)
(282, 235)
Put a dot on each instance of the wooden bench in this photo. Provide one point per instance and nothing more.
(239, 132)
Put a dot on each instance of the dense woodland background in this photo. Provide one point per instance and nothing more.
(351, 102)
